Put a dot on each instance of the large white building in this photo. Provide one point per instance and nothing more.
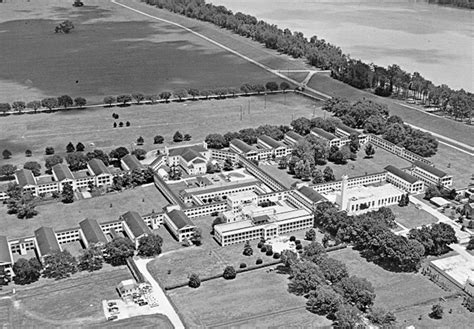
(192, 158)
(431, 175)
(404, 180)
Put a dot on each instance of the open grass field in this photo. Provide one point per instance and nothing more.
(393, 290)
(174, 266)
(61, 216)
(253, 299)
(72, 302)
(410, 217)
(198, 118)
(112, 50)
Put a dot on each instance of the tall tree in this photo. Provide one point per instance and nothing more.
(59, 265)
(65, 101)
(67, 193)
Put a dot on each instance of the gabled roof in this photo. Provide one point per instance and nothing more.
(400, 173)
(195, 149)
(179, 218)
(324, 134)
(62, 172)
(131, 162)
(5, 256)
(46, 239)
(348, 129)
(92, 231)
(294, 135)
(189, 155)
(311, 194)
(270, 141)
(242, 146)
(430, 169)
(25, 177)
(135, 223)
(98, 167)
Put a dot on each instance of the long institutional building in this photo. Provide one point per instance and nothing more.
(253, 204)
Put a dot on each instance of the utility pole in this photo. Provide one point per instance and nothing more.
(249, 106)
(265, 106)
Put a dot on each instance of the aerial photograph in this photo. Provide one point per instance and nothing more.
(237, 164)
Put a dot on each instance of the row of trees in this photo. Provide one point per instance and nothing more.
(61, 264)
(384, 81)
(64, 101)
(374, 118)
(330, 290)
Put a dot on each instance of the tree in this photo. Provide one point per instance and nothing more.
(59, 265)
(369, 150)
(284, 86)
(70, 148)
(432, 191)
(356, 290)
(139, 153)
(301, 126)
(80, 102)
(306, 277)
(196, 238)
(180, 94)
(216, 141)
(5, 107)
(152, 98)
(470, 245)
(7, 170)
(140, 140)
(314, 252)
(49, 150)
(177, 137)
(187, 137)
(193, 92)
(18, 106)
(109, 100)
(317, 175)
(124, 99)
(150, 245)
(98, 154)
(80, 147)
(229, 273)
(34, 166)
(91, 259)
(138, 97)
(347, 316)
(310, 235)
(158, 139)
(118, 153)
(271, 86)
(328, 174)
(28, 153)
(381, 317)
(248, 251)
(6, 154)
(324, 301)
(34, 105)
(217, 221)
(333, 269)
(64, 27)
(437, 311)
(67, 193)
(65, 101)
(51, 161)
(127, 124)
(288, 258)
(165, 95)
(194, 281)
(118, 250)
(26, 271)
(49, 103)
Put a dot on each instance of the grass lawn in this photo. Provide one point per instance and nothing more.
(199, 118)
(112, 50)
(460, 317)
(393, 290)
(72, 302)
(62, 216)
(410, 217)
(252, 299)
(206, 260)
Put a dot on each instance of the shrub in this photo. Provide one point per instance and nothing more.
(260, 245)
(276, 255)
(243, 265)
(292, 238)
(194, 281)
(269, 253)
(229, 273)
(299, 247)
(259, 261)
(297, 242)
(263, 249)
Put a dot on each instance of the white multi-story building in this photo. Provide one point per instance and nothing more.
(278, 149)
(326, 137)
(404, 180)
(431, 175)
(192, 158)
(292, 138)
(344, 132)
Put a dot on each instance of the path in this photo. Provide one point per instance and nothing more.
(320, 94)
(164, 304)
(463, 236)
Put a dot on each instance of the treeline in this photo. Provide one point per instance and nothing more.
(371, 234)
(374, 118)
(454, 3)
(383, 81)
(248, 135)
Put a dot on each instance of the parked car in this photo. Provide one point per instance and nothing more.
(142, 303)
(112, 317)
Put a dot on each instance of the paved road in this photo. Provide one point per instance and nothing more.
(165, 306)
(463, 236)
(323, 96)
